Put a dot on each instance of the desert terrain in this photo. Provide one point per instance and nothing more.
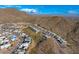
(63, 26)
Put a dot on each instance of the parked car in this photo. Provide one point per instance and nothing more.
(24, 46)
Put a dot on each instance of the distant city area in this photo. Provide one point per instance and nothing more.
(14, 40)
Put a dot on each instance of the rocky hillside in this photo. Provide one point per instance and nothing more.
(65, 27)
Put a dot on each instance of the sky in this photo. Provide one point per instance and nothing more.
(46, 9)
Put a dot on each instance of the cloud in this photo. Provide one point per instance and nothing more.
(73, 12)
(29, 10)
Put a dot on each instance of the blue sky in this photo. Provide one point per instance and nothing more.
(47, 9)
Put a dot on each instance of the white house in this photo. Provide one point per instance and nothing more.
(5, 46)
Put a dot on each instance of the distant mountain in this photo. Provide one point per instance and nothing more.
(73, 17)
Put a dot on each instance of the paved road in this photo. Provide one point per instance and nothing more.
(61, 42)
